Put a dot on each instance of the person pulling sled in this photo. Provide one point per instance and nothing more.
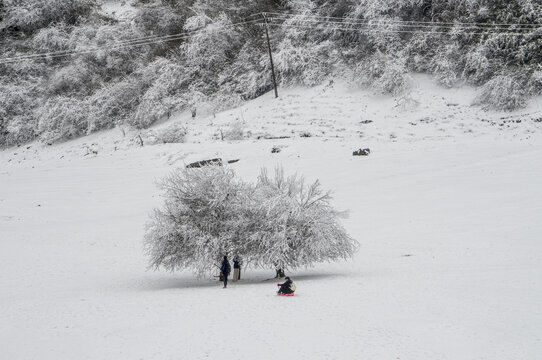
(287, 288)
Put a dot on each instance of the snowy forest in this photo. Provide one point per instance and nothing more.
(68, 69)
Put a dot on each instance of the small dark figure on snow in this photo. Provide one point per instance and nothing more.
(287, 287)
(225, 269)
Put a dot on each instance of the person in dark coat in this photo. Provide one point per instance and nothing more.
(285, 287)
(225, 269)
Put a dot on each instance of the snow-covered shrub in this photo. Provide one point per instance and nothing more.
(150, 110)
(385, 74)
(382, 16)
(24, 70)
(111, 60)
(161, 97)
(535, 82)
(369, 70)
(154, 106)
(17, 121)
(248, 76)
(503, 92)
(385, 37)
(406, 103)
(20, 129)
(213, 45)
(478, 69)
(62, 118)
(394, 80)
(445, 65)
(30, 15)
(420, 49)
(219, 102)
(115, 103)
(173, 133)
(160, 19)
(74, 79)
(303, 63)
(275, 223)
(54, 38)
(235, 131)
(161, 69)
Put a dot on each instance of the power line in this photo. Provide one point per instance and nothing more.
(376, 23)
(120, 45)
(366, 30)
(404, 21)
(338, 23)
(88, 51)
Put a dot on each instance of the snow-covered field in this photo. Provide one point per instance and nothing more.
(447, 208)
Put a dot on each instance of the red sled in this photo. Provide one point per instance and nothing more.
(292, 294)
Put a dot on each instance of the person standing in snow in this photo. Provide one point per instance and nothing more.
(236, 269)
(225, 269)
(286, 287)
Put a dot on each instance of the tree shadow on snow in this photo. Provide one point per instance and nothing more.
(184, 282)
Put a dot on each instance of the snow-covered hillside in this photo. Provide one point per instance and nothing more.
(119, 9)
(447, 209)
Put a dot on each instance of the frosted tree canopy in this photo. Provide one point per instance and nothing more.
(276, 222)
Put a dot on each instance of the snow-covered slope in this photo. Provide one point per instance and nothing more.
(447, 208)
(119, 9)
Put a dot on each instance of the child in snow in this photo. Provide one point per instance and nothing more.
(287, 287)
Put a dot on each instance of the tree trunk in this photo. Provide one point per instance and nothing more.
(280, 273)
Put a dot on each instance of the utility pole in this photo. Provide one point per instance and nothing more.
(270, 56)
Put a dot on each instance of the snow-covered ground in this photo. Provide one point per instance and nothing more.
(119, 9)
(447, 208)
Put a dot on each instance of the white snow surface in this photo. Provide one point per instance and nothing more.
(447, 208)
(118, 9)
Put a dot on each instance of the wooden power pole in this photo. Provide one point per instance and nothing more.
(270, 57)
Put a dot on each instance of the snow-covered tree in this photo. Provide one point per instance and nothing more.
(386, 74)
(115, 103)
(275, 223)
(292, 224)
(30, 15)
(62, 118)
(304, 62)
(248, 75)
(17, 122)
(195, 227)
(213, 43)
(162, 96)
(54, 38)
(503, 92)
(161, 18)
(74, 79)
